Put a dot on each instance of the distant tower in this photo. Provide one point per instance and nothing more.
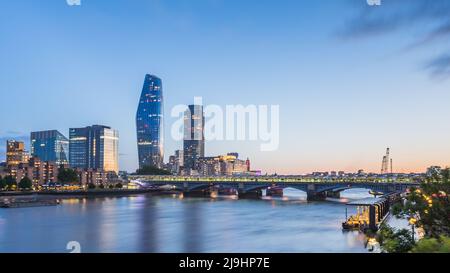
(386, 162)
(247, 162)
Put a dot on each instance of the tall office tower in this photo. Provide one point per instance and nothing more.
(194, 138)
(50, 146)
(179, 161)
(149, 123)
(15, 153)
(94, 147)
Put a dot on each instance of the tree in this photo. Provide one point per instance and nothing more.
(433, 245)
(67, 176)
(25, 183)
(101, 186)
(119, 185)
(430, 205)
(395, 241)
(427, 207)
(152, 170)
(111, 186)
(91, 186)
(10, 181)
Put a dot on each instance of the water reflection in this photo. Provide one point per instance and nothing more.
(192, 240)
(148, 226)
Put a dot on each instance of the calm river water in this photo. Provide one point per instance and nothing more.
(147, 223)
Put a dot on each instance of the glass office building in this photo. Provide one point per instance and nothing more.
(50, 146)
(149, 123)
(94, 147)
(194, 138)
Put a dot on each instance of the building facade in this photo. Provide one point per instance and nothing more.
(194, 138)
(16, 153)
(225, 165)
(94, 147)
(149, 123)
(38, 171)
(50, 146)
(97, 177)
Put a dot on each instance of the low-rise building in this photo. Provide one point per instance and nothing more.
(38, 171)
(16, 153)
(225, 165)
(97, 177)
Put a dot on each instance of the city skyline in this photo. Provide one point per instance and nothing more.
(337, 113)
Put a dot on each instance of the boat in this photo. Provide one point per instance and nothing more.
(375, 193)
(274, 191)
(28, 203)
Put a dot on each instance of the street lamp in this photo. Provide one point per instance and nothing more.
(412, 222)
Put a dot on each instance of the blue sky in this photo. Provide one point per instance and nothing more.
(350, 79)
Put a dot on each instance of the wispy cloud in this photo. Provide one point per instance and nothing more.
(427, 22)
(439, 67)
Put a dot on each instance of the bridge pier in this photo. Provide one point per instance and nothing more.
(202, 193)
(313, 195)
(316, 196)
(250, 194)
(205, 193)
(334, 194)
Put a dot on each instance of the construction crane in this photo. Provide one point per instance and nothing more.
(386, 164)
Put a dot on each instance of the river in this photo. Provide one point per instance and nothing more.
(146, 223)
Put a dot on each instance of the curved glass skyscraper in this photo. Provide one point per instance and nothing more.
(149, 123)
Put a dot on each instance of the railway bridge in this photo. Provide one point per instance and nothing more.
(251, 187)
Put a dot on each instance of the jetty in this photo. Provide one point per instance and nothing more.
(371, 212)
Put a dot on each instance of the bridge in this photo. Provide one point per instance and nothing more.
(251, 187)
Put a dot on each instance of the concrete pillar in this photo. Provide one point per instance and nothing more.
(316, 196)
(334, 194)
(250, 194)
(197, 193)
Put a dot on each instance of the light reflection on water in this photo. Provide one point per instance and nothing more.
(148, 223)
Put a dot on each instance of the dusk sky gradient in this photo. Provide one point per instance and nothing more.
(350, 79)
